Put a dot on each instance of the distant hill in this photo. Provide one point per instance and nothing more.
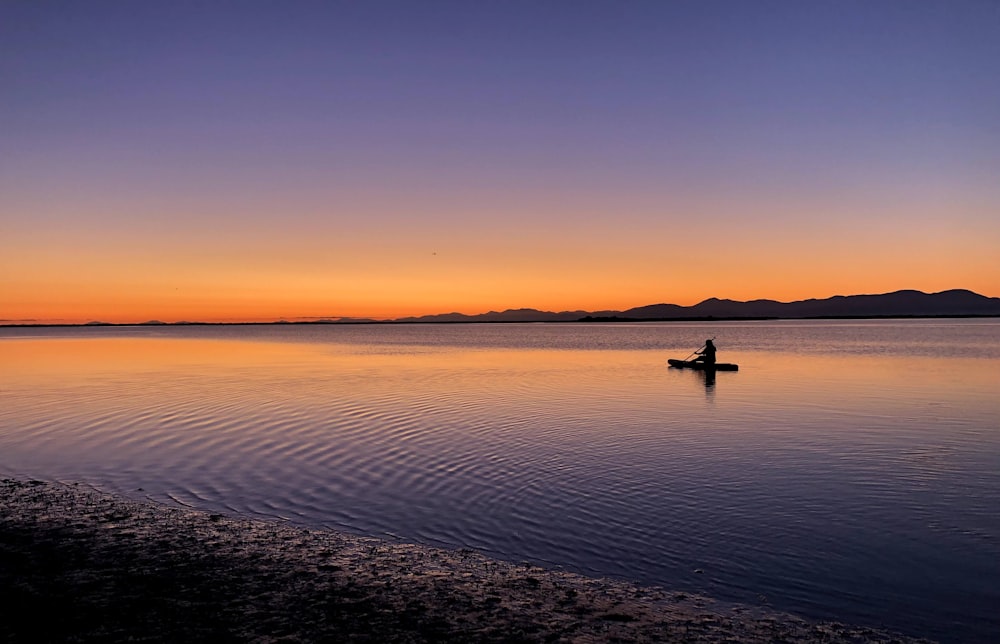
(510, 315)
(907, 303)
(899, 303)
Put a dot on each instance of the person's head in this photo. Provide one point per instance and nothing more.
(708, 343)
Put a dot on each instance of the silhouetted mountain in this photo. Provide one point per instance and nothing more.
(907, 303)
(899, 303)
(655, 311)
(510, 315)
(953, 302)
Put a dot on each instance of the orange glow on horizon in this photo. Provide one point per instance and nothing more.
(76, 275)
(150, 306)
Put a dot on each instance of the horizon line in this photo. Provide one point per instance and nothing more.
(585, 315)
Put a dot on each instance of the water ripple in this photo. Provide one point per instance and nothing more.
(804, 479)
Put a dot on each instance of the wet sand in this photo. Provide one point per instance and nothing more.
(80, 565)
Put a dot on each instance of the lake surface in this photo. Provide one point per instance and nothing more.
(850, 470)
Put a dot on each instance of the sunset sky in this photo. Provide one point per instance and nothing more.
(253, 160)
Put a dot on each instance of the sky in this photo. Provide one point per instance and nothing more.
(260, 160)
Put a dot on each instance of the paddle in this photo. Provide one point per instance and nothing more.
(695, 352)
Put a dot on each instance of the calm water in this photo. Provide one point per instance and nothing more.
(849, 470)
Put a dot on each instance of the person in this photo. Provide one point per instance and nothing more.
(707, 354)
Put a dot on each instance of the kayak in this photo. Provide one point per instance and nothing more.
(693, 364)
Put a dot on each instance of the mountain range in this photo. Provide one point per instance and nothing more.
(906, 303)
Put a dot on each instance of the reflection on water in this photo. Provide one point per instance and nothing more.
(835, 480)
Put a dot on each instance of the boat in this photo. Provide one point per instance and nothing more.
(701, 366)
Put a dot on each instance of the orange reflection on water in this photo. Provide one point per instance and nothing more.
(38, 359)
(67, 356)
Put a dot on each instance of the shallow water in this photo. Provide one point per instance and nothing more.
(850, 470)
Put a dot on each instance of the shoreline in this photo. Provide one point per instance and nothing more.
(584, 320)
(99, 566)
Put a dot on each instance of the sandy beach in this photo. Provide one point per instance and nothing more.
(80, 565)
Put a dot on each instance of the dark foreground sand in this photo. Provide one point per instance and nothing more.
(79, 565)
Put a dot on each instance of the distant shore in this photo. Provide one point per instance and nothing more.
(78, 564)
(905, 304)
(584, 320)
